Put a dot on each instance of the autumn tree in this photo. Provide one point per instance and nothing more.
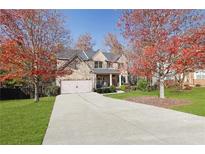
(29, 44)
(156, 37)
(191, 54)
(84, 42)
(113, 44)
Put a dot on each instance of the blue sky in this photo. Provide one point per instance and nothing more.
(96, 22)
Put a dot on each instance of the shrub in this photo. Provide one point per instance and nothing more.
(122, 87)
(52, 90)
(197, 85)
(142, 85)
(133, 88)
(153, 87)
(98, 90)
(125, 87)
(113, 88)
(105, 89)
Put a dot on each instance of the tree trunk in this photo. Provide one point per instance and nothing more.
(36, 95)
(181, 85)
(161, 88)
(180, 81)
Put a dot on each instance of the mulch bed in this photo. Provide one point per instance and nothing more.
(155, 101)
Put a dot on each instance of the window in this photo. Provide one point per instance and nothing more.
(98, 64)
(109, 65)
(120, 65)
(200, 75)
(169, 78)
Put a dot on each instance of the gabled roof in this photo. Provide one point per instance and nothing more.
(111, 57)
(68, 54)
(88, 55)
(68, 61)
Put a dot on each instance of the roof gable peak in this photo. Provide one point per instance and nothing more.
(99, 56)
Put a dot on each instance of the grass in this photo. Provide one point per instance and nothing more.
(196, 96)
(23, 121)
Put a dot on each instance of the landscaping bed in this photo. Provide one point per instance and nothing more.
(103, 90)
(196, 96)
(153, 100)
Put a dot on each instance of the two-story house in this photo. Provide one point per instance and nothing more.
(195, 78)
(191, 78)
(91, 70)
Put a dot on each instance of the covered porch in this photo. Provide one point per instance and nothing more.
(109, 77)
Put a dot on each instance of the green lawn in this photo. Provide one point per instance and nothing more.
(196, 96)
(23, 121)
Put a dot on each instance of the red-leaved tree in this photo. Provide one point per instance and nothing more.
(157, 39)
(190, 55)
(29, 45)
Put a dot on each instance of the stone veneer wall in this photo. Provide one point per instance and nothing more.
(80, 72)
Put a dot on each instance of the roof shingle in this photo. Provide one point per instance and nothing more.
(88, 55)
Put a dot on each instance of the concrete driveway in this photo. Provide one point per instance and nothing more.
(90, 118)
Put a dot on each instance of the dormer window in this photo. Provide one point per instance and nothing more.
(109, 65)
(120, 65)
(98, 64)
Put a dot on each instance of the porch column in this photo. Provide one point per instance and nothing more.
(126, 78)
(120, 83)
(94, 81)
(110, 79)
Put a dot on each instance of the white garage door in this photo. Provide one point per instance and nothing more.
(76, 86)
